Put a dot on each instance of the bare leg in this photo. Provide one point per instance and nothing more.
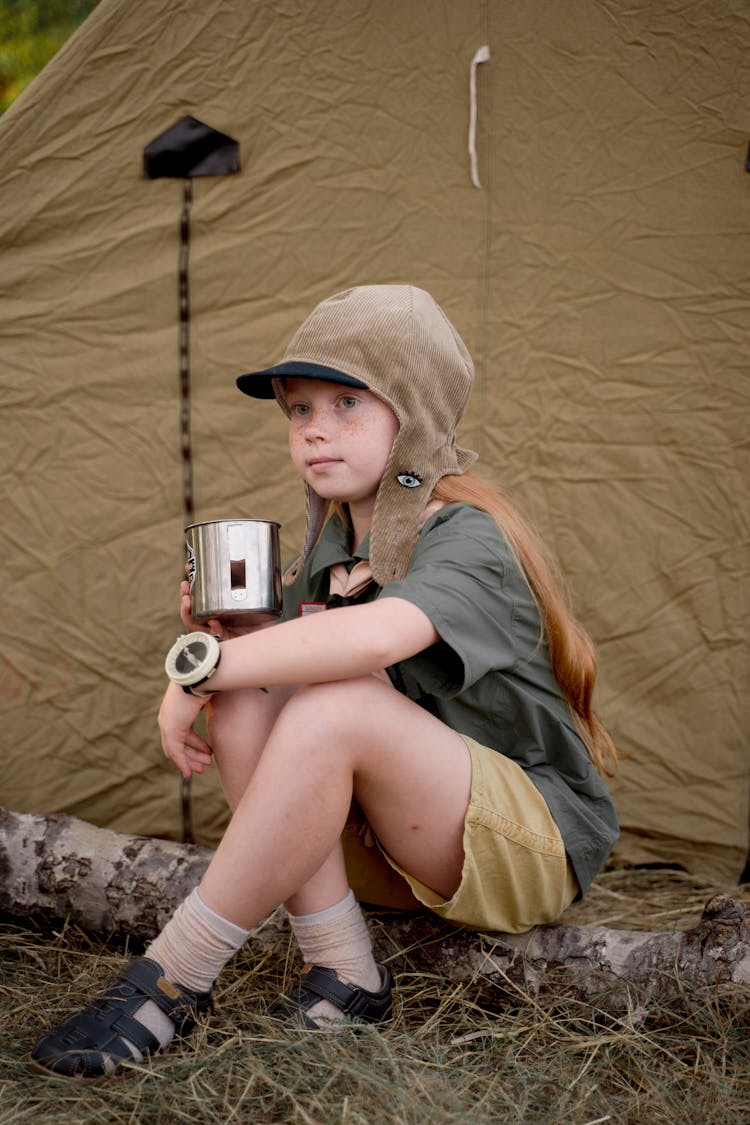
(410, 773)
(239, 725)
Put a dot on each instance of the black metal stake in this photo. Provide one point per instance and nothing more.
(187, 149)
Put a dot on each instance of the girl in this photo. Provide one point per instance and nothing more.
(472, 789)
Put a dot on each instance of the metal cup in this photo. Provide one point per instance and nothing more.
(234, 570)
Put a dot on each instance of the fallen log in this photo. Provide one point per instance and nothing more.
(624, 973)
(60, 868)
(57, 867)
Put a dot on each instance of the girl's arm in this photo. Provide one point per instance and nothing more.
(337, 644)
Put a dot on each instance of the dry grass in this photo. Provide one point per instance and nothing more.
(447, 1057)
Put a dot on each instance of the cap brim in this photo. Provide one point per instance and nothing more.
(259, 384)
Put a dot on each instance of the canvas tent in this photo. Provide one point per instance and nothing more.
(596, 263)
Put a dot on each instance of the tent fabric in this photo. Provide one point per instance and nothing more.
(599, 277)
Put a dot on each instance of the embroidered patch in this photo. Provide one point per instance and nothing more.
(311, 607)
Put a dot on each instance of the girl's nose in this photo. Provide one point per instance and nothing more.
(315, 427)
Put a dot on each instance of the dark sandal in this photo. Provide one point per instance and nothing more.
(318, 984)
(76, 1048)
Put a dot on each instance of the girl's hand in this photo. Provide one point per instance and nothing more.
(178, 711)
(214, 625)
(186, 613)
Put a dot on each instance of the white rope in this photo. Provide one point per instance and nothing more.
(481, 55)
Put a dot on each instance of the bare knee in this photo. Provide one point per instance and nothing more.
(335, 714)
(239, 722)
(336, 698)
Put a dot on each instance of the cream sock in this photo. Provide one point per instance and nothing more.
(196, 944)
(337, 938)
(192, 949)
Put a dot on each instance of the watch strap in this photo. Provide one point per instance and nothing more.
(198, 694)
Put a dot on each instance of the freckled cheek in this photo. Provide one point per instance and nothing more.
(353, 426)
(296, 445)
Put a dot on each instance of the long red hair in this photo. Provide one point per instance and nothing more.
(571, 650)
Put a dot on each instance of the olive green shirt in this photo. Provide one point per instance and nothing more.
(489, 675)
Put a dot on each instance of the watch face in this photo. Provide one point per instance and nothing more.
(192, 658)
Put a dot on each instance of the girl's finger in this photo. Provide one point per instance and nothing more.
(197, 761)
(197, 744)
(186, 615)
(179, 759)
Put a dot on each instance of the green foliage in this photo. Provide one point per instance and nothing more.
(31, 31)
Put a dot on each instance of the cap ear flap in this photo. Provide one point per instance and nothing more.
(316, 509)
(403, 498)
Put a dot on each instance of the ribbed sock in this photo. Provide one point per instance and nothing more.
(192, 949)
(337, 938)
(196, 944)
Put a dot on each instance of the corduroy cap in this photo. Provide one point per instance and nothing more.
(396, 341)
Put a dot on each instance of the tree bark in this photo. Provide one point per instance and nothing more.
(57, 867)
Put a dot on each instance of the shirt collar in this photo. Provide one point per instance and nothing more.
(333, 547)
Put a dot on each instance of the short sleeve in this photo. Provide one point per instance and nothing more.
(464, 577)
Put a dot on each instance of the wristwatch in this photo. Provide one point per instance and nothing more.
(192, 660)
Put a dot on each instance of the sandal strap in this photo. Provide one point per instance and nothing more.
(180, 1004)
(325, 984)
(320, 983)
(92, 1033)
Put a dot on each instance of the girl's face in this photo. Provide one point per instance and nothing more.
(340, 439)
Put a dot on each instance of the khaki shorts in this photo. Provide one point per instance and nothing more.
(515, 874)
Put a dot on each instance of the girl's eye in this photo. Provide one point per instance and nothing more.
(348, 401)
(300, 409)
